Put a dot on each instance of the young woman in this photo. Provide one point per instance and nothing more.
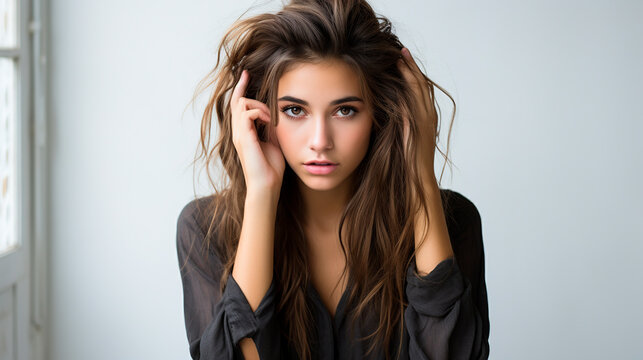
(330, 238)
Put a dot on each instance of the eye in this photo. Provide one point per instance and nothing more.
(346, 111)
(292, 111)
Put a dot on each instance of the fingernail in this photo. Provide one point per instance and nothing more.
(406, 52)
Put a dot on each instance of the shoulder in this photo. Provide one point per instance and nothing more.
(191, 243)
(464, 225)
(460, 212)
(194, 212)
(465, 232)
(192, 222)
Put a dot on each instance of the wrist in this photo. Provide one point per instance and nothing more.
(430, 184)
(263, 195)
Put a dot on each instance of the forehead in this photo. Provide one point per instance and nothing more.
(325, 80)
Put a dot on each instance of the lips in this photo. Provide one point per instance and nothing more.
(320, 169)
(320, 162)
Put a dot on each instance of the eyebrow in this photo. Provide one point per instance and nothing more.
(334, 102)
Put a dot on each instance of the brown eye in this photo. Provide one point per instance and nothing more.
(293, 111)
(346, 111)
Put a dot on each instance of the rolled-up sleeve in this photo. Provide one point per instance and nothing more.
(447, 315)
(215, 322)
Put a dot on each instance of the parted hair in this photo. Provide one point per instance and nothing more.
(378, 219)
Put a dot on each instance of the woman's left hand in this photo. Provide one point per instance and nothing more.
(424, 114)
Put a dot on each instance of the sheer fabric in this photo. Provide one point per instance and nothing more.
(447, 316)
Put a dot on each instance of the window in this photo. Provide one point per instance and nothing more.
(8, 90)
(22, 180)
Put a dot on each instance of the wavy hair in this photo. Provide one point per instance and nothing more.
(378, 217)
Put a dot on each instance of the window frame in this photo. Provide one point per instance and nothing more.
(24, 267)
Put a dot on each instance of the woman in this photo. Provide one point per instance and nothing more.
(331, 238)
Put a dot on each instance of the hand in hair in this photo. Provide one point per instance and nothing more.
(424, 114)
(432, 241)
(262, 162)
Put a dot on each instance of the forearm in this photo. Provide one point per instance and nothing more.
(253, 264)
(433, 246)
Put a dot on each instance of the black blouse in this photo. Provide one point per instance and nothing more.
(447, 316)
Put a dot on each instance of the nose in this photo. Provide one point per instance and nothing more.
(322, 135)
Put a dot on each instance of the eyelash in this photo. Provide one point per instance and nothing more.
(289, 107)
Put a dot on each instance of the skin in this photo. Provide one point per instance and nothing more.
(320, 130)
(323, 116)
(432, 242)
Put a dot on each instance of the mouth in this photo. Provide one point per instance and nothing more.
(320, 168)
(320, 163)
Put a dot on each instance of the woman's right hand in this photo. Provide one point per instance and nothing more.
(263, 162)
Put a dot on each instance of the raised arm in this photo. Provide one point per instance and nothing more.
(447, 316)
(253, 264)
(263, 168)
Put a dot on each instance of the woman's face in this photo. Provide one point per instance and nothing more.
(322, 117)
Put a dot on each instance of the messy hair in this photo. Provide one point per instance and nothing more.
(379, 243)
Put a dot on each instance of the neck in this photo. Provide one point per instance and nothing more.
(323, 209)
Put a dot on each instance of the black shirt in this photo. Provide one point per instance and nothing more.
(447, 316)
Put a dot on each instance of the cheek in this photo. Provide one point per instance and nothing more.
(359, 140)
(363, 134)
(285, 138)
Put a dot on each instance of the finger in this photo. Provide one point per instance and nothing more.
(410, 60)
(240, 88)
(246, 125)
(420, 80)
(256, 114)
(416, 80)
(413, 66)
(410, 79)
(254, 104)
(406, 73)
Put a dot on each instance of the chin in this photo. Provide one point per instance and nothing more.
(319, 183)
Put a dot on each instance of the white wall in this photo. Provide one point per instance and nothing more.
(544, 143)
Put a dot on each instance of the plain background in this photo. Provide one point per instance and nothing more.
(545, 142)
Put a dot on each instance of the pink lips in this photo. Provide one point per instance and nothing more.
(320, 169)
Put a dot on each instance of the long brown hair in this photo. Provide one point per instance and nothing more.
(378, 217)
